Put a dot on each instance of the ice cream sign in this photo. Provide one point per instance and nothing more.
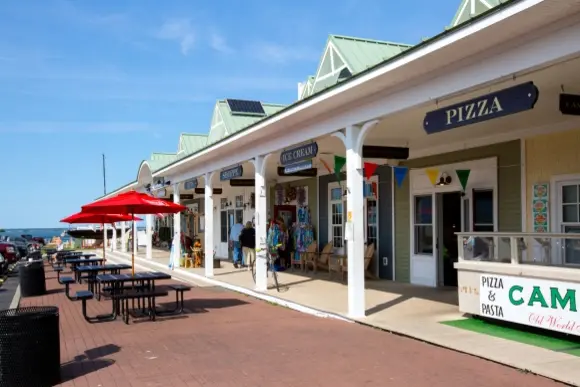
(544, 304)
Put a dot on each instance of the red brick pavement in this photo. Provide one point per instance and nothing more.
(228, 339)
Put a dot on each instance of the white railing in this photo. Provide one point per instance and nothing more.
(520, 248)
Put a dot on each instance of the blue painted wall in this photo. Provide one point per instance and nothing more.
(385, 220)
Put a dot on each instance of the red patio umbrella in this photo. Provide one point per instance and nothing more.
(85, 218)
(133, 202)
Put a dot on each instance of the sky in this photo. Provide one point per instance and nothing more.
(79, 79)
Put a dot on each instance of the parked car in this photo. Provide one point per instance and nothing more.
(10, 252)
(20, 243)
(3, 264)
(39, 240)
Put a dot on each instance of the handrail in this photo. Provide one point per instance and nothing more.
(520, 234)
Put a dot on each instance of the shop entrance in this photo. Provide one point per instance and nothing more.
(449, 206)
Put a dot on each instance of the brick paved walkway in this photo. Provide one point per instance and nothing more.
(230, 340)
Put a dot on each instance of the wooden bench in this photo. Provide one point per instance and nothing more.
(179, 290)
(67, 281)
(149, 295)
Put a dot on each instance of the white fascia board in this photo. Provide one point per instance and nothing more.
(539, 52)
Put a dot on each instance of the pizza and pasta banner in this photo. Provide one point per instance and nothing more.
(399, 172)
(539, 303)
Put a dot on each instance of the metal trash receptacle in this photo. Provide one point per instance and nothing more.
(32, 281)
(30, 347)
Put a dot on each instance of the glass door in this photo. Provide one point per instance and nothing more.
(231, 222)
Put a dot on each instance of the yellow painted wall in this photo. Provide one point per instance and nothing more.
(549, 155)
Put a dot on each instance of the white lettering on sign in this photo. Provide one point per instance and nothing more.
(299, 154)
(544, 304)
(473, 110)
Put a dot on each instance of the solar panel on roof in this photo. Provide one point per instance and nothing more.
(240, 106)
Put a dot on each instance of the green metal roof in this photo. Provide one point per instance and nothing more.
(191, 142)
(160, 160)
(503, 4)
(360, 54)
(468, 9)
(233, 123)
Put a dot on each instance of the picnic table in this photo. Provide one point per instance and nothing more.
(117, 283)
(93, 271)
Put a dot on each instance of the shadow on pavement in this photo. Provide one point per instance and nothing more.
(92, 360)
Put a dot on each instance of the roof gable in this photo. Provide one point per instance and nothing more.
(354, 55)
(469, 9)
(159, 160)
(230, 123)
(191, 142)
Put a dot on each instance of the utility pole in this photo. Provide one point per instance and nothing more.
(104, 176)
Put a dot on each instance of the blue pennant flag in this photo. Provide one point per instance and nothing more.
(400, 173)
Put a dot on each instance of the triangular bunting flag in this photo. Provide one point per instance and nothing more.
(432, 174)
(400, 173)
(339, 162)
(370, 169)
(463, 176)
(326, 166)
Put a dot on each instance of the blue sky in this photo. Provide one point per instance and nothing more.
(124, 78)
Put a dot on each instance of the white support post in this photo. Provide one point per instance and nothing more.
(208, 226)
(134, 233)
(176, 229)
(355, 223)
(114, 240)
(261, 221)
(123, 236)
(105, 240)
(149, 233)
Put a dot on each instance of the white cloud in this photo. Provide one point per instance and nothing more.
(40, 127)
(279, 53)
(178, 30)
(219, 43)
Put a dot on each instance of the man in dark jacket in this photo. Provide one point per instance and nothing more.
(248, 242)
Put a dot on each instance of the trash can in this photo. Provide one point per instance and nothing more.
(32, 281)
(30, 347)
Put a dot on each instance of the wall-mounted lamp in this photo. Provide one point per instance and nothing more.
(444, 180)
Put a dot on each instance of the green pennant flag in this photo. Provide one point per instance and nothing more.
(463, 176)
(338, 164)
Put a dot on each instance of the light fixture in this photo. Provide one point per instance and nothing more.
(444, 180)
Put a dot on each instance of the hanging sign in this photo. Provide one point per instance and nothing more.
(299, 153)
(190, 184)
(160, 193)
(232, 173)
(494, 105)
(301, 166)
(570, 104)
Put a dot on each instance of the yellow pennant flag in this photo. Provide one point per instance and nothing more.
(432, 174)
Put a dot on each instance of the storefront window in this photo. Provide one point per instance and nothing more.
(483, 210)
(570, 215)
(423, 224)
(239, 201)
(224, 226)
(336, 194)
(223, 203)
(337, 224)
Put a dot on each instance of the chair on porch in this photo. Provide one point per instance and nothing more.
(305, 258)
(368, 257)
(319, 260)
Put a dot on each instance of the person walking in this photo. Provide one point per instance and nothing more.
(248, 241)
(235, 232)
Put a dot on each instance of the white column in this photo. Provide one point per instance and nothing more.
(208, 237)
(148, 231)
(176, 228)
(123, 240)
(134, 232)
(355, 222)
(261, 223)
(114, 241)
(105, 241)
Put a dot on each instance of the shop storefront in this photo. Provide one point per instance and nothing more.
(377, 213)
(434, 204)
